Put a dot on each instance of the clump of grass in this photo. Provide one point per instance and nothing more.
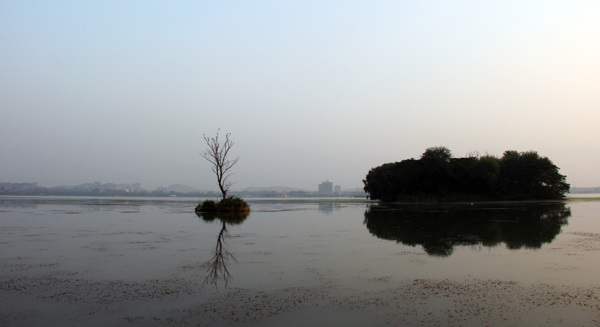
(207, 206)
(231, 204)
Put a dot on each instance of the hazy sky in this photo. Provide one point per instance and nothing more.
(122, 91)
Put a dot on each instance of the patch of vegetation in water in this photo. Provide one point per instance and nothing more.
(439, 177)
(231, 204)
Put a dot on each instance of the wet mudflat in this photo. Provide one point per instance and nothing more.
(144, 262)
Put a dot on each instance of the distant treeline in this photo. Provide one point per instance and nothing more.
(4, 190)
(437, 176)
(584, 190)
(111, 190)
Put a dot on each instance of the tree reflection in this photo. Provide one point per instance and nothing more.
(216, 267)
(439, 228)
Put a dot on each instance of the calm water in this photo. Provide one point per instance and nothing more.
(291, 243)
(281, 242)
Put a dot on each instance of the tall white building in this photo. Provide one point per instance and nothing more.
(326, 188)
(337, 190)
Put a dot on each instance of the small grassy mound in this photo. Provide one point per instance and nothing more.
(232, 204)
(207, 206)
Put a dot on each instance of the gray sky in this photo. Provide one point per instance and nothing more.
(122, 91)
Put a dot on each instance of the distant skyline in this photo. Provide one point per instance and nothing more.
(310, 91)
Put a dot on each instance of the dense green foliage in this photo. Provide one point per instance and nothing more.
(230, 204)
(437, 176)
(207, 206)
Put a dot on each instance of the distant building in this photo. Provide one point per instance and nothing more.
(337, 190)
(326, 188)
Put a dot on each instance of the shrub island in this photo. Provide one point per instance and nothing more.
(438, 177)
(230, 204)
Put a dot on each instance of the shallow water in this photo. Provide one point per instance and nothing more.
(335, 249)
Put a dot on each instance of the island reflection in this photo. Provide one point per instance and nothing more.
(216, 267)
(438, 229)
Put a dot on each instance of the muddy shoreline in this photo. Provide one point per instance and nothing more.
(61, 300)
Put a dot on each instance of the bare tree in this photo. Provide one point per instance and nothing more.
(217, 154)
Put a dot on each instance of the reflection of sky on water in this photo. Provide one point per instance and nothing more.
(293, 244)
